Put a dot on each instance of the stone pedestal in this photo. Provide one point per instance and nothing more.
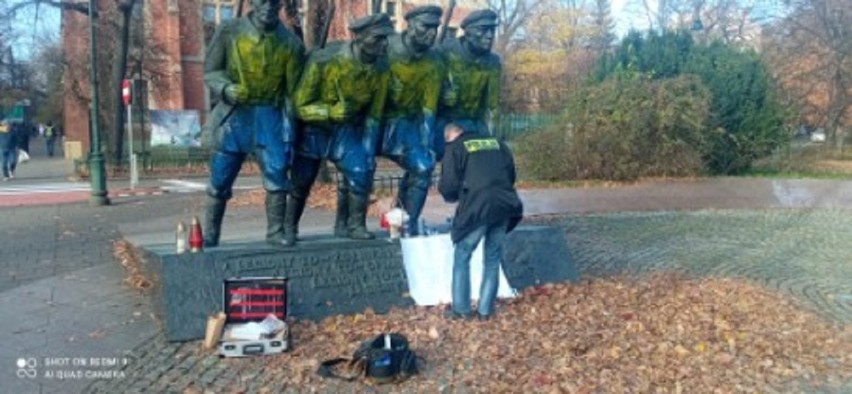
(327, 276)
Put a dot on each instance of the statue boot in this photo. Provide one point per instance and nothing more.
(276, 209)
(358, 217)
(295, 208)
(214, 211)
(341, 219)
(416, 190)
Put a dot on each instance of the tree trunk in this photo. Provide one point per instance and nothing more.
(118, 72)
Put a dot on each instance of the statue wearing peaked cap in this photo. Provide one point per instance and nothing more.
(340, 100)
(417, 71)
(471, 91)
(253, 64)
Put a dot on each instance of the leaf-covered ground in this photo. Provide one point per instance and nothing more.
(661, 333)
(323, 196)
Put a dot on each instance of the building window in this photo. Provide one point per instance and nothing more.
(214, 12)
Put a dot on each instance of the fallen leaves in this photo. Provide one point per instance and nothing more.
(433, 333)
(323, 196)
(658, 334)
(130, 258)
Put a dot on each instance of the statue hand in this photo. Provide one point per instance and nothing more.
(235, 94)
(340, 112)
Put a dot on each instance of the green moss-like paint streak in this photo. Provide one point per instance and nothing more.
(265, 66)
(415, 84)
(476, 82)
(333, 75)
(256, 62)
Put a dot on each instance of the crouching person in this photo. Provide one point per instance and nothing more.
(478, 172)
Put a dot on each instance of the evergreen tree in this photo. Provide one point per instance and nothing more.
(604, 26)
(745, 116)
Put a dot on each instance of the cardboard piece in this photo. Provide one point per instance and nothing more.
(215, 324)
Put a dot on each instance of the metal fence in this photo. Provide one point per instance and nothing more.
(511, 126)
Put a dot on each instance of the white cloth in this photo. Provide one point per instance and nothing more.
(428, 264)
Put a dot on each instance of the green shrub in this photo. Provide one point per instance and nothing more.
(746, 120)
(627, 127)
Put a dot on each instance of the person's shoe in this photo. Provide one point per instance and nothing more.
(450, 314)
(483, 317)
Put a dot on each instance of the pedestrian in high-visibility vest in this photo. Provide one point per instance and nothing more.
(50, 138)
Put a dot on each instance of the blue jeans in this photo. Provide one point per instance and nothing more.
(50, 142)
(9, 162)
(493, 253)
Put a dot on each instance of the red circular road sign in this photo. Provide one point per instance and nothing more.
(125, 91)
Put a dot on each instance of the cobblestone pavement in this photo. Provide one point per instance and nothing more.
(40, 242)
(803, 252)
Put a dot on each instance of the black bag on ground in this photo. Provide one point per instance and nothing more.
(383, 359)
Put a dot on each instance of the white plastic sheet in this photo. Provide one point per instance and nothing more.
(428, 264)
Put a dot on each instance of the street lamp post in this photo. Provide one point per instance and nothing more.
(97, 175)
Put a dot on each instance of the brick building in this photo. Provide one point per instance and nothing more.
(179, 31)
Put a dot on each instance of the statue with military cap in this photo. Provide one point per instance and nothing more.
(471, 92)
(253, 65)
(340, 100)
(417, 71)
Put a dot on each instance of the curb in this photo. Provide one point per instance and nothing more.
(150, 191)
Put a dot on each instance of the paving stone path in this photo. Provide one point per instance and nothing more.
(806, 253)
(803, 252)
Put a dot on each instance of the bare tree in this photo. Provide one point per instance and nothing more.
(315, 19)
(550, 59)
(728, 20)
(48, 66)
(513, 16)
(810, 49)
(116, 19)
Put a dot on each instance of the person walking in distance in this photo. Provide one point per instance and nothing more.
(50, 138)
(8, 146)
(478, 172)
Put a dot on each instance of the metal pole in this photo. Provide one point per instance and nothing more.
(97, 175)
(134, 171)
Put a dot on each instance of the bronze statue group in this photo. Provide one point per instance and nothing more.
(381, 94)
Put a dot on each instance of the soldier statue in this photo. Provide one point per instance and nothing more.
(471, 92)
(340, 100)
(253, 63)
(417, 72)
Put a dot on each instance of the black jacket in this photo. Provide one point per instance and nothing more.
(479, 173)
